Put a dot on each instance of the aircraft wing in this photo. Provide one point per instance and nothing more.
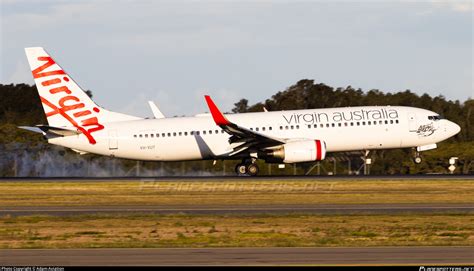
(241, 138)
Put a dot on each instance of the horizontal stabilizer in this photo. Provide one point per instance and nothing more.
(45, 129)
(32, 129)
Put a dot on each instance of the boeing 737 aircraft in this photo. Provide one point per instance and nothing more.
(76, 122)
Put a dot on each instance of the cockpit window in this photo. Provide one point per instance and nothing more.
(437, 117)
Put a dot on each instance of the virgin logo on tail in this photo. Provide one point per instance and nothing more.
(69, 106)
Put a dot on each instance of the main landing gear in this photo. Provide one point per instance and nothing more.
(247, 167)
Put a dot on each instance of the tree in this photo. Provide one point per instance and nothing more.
(241, 106)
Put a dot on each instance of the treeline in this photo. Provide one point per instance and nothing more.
(23, 153)
(306, 94)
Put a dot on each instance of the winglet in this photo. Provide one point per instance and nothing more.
(218, 117)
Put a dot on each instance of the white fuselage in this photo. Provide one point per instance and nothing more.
(342, 129)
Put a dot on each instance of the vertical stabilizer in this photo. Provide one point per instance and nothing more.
(65, 104)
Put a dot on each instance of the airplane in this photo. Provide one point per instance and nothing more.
(76, 122)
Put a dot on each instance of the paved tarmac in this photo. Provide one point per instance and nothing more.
(243, 178)
(242, 209)
(241, 256)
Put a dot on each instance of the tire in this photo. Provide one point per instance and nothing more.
(252, 169)
(240, 169)
(417, 160)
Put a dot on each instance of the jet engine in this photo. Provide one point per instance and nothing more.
(297, 151)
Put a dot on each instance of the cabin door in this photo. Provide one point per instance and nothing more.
(412, 123)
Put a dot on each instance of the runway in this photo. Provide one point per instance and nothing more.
(242, 209)
(243, 178)
(241, 256)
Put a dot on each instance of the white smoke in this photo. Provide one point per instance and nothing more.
(42, 160)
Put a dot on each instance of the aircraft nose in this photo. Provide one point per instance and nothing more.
(453, 128)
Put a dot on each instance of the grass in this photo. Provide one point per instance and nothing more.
(255, 230)
(245, 192)
(95, 231)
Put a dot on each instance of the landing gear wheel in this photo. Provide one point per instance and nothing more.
(252, 169)
(417, 159)
(241, 169)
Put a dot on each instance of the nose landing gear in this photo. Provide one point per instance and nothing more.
(417, 159)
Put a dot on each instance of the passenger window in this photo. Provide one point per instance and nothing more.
(203, 132)
(152, 135)
(270, 128)
(286, 127)
(391, 121)
(297, 126)
(281, 127)
(386, 122)
(333, 125)
(358, 123)
(217, 131)
(157, 135)
(180, 133)
(396, 121)
(134, 135)
(339, 124)
(363, 123)
(162, 134)
(197, 132)
(352, 124)
(256, 129)
(327, 125)
(321, 125)
(263, 128)
(345, 124)
(169, 134)
(368, 123)
(146, 135)
(185, 133)
(140, 135)
(380, 122)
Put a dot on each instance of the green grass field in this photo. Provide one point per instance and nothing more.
(233, 230)
(243, 192)
(93, 231)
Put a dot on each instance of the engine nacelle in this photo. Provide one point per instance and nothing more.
(298, 151)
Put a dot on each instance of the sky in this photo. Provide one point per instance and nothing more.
(174, 52)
